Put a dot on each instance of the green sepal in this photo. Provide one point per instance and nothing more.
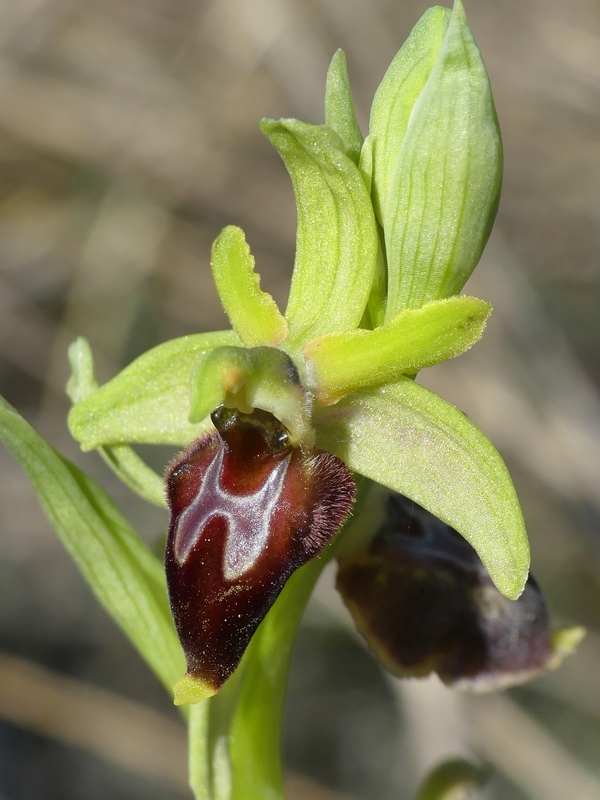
(414, 442)
(396, 96)
(339, 108)
(253, 313)
(444, 195)
(249, 378)
(341, 363)
(453, 780)
(149, 401)
(365, 161)
(121, 459)
(123, 573)
(375, 313)
(336, 243)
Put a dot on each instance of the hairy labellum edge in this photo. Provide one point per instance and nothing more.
(247, 509)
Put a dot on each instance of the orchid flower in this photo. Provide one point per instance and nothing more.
(293, 424)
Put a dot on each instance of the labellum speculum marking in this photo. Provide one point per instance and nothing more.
(247, 509)
(424, 602)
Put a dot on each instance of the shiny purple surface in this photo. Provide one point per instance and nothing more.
(247, 509)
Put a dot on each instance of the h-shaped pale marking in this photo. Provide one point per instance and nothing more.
(248, 517)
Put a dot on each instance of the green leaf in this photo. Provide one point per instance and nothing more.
(125, 576)
(414, 442)
(336, 244)
(253, 313)
(452, 780)
(341, 363)
(149, 401)
(339, 109)
(444, 195)
(396, 96)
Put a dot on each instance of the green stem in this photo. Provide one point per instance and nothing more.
(255, 734)
(235, 737)
(256, 729)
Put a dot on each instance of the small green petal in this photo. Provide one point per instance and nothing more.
(410, 440)
(396, 96)
(344, 362)
(336, 244)
(444, 195)
(253, 313)
(339, 109)
(149, 401)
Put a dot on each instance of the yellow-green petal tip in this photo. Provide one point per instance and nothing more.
(191, 690)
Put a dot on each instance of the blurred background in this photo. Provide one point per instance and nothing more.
(128, 139)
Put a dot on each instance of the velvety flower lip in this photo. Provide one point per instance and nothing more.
(424, 601)
(247, 509)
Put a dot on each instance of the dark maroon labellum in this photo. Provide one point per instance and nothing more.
(424, 601)
(247, 509)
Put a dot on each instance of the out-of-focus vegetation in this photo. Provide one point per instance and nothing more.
(128, 139)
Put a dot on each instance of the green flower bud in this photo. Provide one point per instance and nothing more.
(437, 161)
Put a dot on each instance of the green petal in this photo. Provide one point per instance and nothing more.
(344, 362)
(396, 97)
(444, 195)
(149, 401)
(125, 576)
(336, 245)
(410, 440)
(339, 109)
(253, 313)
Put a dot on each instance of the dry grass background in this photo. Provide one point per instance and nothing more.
(128, 138)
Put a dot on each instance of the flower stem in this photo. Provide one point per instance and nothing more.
(255, 734)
